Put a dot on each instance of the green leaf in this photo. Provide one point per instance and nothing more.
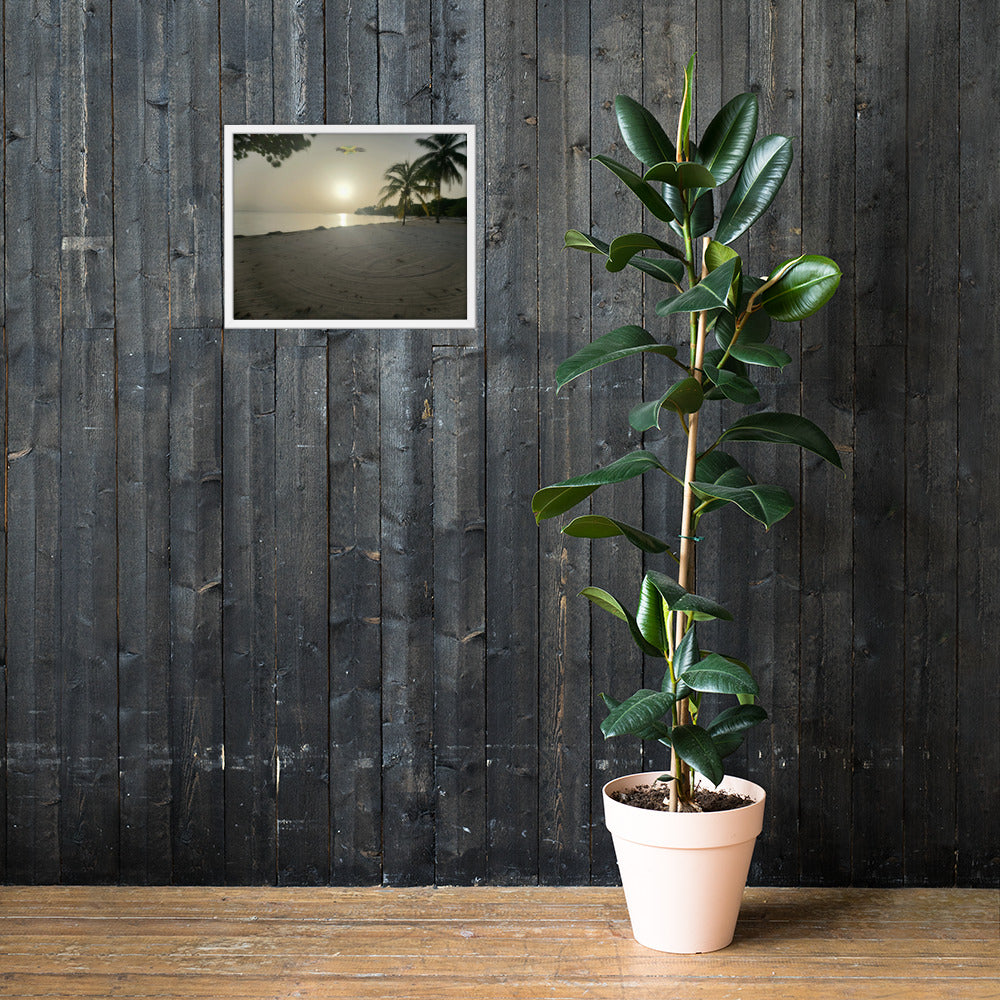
(719, 468)
(695, 746)
(606, 602)
(717, 254)
(702, 215)
(767, 504)
(650, 616)
(715, 674)
(712, 292)
(802, 290)
(728, 743)
(732, 386)
(756, 329)
(623, 342)
(646, 194)
(762, 175)
(671, 271)
(636, 714)
(736, 719)
(766, 355)
(595, 526)
(624, 248)
(685, 656)
(713, 358)
(655, 730)
(551, 501)
(684, 396)
(576, 240)
(642, 133)
(679, 599)
(681, 175)
(783, 428)
(684, 119)
(728, 138)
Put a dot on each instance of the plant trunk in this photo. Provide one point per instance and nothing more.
(679, 787)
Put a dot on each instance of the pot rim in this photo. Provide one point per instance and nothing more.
(649, 777)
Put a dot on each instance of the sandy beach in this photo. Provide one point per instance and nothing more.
(375, 272)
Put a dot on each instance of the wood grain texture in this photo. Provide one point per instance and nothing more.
(932, 343)
(302, 683)
(616, 665)
(827, 610)
(142, 343)
(510, 331)
(978, 704)
(880, 316)
(172, 620)
(196, 690)
(564, 450)
(33, 363)
(88, 664)
(568, 943)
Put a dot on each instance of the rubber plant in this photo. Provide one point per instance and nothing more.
(707, 293)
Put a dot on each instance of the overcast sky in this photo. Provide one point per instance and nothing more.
(319, 179)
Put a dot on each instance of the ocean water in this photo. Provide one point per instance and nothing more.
(257, 223)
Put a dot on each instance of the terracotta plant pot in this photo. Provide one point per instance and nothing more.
(683, 873)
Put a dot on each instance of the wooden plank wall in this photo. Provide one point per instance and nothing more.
(275, 609)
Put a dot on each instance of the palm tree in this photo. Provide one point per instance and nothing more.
(442, 162)
(405, 181)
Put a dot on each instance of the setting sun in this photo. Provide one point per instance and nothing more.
(343, 190)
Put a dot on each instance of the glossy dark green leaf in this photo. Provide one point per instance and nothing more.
(702, 215)
(636, 714)
(679, 599)
(575, 240)
(802, 290)
(651, 617)
(686, 656)
(646, 194)
(756, 329)
(783, 428)
(728, 743)
(551, 501)
(695, 746)
(717, 675)
(732, 386)
(729, 136)
(671, 271)
(681, 175)
(595, 526)
(716, 254)
(762, 175)
(736, 719)
(661, 307)
(718, 467)
(766, 355)
(623, 248)
(624, 342)
(767, 504)
(684, 396)
(712, 292)
(642, 133)
(606, 602)
(713, 358)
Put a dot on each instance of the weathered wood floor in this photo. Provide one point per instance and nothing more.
(486, 943)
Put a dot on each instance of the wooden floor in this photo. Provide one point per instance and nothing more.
(486, 944)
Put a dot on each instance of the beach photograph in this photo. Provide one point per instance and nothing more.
(360, 226)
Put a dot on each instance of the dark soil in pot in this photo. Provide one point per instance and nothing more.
(655, 797)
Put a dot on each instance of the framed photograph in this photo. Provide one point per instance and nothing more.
(340, 226)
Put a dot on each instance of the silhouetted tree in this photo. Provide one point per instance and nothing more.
(274, 147)
(442, 162)
(407, 181)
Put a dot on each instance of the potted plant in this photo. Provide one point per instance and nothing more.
(684, 865)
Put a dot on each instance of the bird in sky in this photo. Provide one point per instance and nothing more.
(350, 149)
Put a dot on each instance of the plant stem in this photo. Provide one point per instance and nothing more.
(686, 560)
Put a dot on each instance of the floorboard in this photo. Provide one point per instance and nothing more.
(490, 943)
